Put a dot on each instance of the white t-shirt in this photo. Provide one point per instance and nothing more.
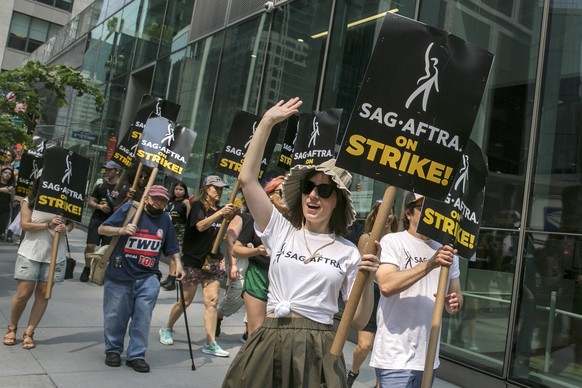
(37, 245)
(404, 320)
(310, 289)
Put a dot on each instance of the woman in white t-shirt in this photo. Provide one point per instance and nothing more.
(311, 263)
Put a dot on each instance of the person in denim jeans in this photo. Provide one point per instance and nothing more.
(132, 279)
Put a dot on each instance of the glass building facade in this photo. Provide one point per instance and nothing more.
(522, 319)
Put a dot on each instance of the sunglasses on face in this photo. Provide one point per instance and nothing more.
(323, 190)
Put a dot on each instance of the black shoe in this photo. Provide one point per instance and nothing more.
(85, 274)
(168, 280)
(351, 378)
(170, 286)
(9, 239)
(217, 332)
(112, 359)
(138, 365)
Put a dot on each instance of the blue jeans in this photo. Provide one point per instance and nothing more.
(125, 300)
(400, 378)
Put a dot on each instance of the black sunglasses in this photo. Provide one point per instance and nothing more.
(323, 190)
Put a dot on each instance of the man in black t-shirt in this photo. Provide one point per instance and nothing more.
(102, 200)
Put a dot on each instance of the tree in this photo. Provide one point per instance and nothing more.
(25, 90)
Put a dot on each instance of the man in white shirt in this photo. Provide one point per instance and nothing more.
(408, 281)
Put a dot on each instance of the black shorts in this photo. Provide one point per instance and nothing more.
(93, 237)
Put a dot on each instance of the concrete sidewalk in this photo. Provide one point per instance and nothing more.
(69, 339)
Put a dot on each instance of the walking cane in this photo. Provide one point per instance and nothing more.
(186, 321)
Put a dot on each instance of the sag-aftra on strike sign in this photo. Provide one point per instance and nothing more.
(416, 108)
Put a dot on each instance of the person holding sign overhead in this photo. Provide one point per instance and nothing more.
(32, 267)
(132, 280)
(204, 221)
(408, 283)
(311, 263)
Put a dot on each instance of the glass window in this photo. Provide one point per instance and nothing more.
(28, 33)
(188, 77)
(503, 129)
(66, 5)
(554, 259)
(19, 31)
(149, 31)
(176, 26)
(238, 81)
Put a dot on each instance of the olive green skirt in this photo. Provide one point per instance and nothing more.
(287, 352)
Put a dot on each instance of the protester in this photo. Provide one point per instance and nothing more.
(12, 160)
(232, 300)
(250, 245)
(408, 283)
(366, 335)
(204, 221)
(6, 198)
(32, 267)
(179, 209)
(311, 264)
(132, 279)
(128, 193)
(102, 200)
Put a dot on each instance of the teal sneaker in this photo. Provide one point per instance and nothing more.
(215, 350)
(166, 336)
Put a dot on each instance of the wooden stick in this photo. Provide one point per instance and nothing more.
(52, 266)
(358, 287)
(225, 223)
(435, 328)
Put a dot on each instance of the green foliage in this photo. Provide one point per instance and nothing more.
(30, 83)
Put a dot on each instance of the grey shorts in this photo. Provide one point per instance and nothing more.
(26, 269)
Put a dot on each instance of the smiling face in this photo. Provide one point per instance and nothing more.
(317, 210)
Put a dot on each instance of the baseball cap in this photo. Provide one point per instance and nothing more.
(411, 197)
(214, 180)
(159, 191)
(110, 164)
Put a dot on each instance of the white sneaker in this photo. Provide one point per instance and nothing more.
(215, 350)
(166, 336)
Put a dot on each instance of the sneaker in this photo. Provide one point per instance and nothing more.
(473, 346)
(217, 331)
(215, 350)
(166, 336)
(138, 365)
(351, 378)
(9, 239)
(112, 359)
(85, 275)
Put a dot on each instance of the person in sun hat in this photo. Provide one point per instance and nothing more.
(132, 279)
(311, 264)
(408, 281)
(102, 201)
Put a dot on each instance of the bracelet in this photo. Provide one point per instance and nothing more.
(119, 231)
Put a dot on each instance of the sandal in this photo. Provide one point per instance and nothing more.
(28, 341)
(10, 337)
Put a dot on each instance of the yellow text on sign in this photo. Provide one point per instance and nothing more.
(400, 158)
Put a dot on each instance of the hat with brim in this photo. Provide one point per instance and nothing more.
(111, 165)
(342, 178)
